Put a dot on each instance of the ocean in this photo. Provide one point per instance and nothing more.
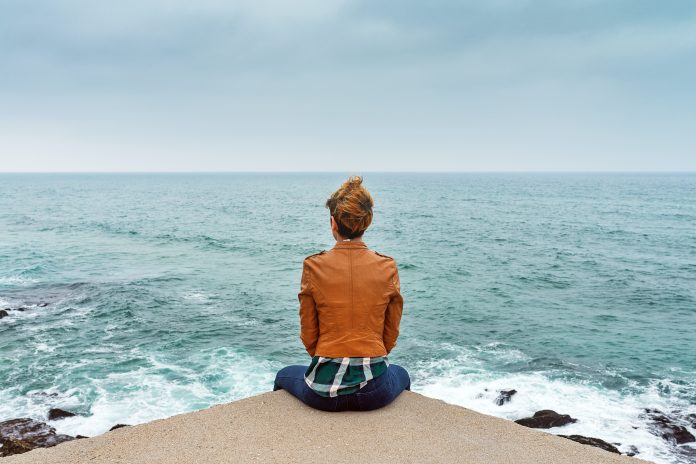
(149, 295)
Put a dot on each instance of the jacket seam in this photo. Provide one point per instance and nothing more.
(352, 302)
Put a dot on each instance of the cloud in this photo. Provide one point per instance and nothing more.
(143, 42)
(322, 80)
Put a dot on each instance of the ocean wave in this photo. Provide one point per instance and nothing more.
(201, 241)
(159, 389)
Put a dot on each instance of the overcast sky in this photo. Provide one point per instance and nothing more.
(225, 85)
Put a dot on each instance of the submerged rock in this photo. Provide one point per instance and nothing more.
(597, 442)
(546, 419)
(632, 451)
(6, 312)
(21, 435)
(687, 453)
(668, 427)
(504, 396)
(44, 394)
(56, 413)
(118, 426)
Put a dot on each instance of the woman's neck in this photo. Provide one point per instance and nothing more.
(343, 239)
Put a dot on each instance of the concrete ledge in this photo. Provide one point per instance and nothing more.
(275, 427)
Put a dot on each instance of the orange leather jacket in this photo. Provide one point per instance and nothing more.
(350, 302)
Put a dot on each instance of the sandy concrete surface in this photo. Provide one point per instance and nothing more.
(275, 427)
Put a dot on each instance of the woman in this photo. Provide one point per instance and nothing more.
(350, 309)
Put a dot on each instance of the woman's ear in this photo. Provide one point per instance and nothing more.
(334, 228)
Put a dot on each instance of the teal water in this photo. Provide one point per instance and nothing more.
(170, 293)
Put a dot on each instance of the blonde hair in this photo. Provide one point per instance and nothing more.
(351, 207)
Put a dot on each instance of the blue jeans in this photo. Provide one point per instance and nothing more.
(378, 392)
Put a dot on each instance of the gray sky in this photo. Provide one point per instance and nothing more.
(208, 85)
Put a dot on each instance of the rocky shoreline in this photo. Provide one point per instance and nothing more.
(24, 434)
(671, 427)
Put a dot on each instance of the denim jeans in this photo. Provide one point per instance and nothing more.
(378, 392)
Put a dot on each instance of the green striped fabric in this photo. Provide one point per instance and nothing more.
(343, 376)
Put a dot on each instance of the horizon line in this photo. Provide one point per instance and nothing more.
(656, 171)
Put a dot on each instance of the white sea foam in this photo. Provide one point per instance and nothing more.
(196, 296)
(59, 314)
(35, 403)
(610, 415)
(17, 281)
(44, 347)
(148, 393)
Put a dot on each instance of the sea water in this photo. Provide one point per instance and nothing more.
(171, 293)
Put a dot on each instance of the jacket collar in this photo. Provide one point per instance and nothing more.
(350, 244)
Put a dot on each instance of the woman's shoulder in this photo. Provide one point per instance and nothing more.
(314, 255)
(383, 255)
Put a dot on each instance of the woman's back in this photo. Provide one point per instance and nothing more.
(350, 302)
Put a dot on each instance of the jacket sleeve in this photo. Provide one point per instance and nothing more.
(392, 317)
(309, 322)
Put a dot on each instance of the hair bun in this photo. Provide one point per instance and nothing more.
(351, 207)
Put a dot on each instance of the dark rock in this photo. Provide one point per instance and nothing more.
(22, 435)
(599, 443)
(632, 451)
(77, 437)
(55, 414)
(11, 446)
(3, 313)
(118, 426)
(42, 305)
(668, 428)
(545, 419)
(21, 309)
(504, 396)
(681, 435)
